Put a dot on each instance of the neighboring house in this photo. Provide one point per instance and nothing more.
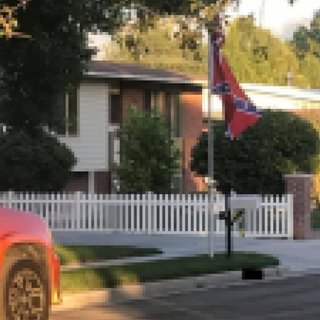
(95, 111)
(270, 97)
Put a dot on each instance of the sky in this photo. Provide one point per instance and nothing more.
(278, 16)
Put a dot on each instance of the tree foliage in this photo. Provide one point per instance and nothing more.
(306, 42)
(313, 116)
(36, 69)
(148, 157)
(261, 57)
(8, 22)
(280, 143)
(161, 46)
(33, 162)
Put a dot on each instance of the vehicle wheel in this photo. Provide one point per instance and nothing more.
(25, 292)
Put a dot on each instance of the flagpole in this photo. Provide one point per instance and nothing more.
(210, 149)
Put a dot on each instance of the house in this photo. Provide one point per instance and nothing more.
(95, 111)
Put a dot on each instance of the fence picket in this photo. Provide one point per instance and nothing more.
(184, 209)
(143, 217)
(166, 214)
(289, 216)
(278, 206)
(155, 212)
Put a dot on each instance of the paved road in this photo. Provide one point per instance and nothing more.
(289, 299)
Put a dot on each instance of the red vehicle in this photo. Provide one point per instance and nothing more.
(29, 268)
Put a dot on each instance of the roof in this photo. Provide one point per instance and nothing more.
(279, 91)
(284, 91)
(116, 70)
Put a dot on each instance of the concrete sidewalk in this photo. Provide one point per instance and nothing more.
(297, 255)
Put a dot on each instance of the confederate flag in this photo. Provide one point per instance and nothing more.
(239, 112)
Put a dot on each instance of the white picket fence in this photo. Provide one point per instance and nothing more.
(149, 213)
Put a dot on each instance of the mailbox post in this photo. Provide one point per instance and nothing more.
(241, 204)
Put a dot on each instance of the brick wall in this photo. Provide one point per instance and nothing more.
(191, 130)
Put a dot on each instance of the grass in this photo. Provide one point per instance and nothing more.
(75, 254)
(113, 276)
(315, 219)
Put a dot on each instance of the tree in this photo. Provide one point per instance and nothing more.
(35, 70)
(306, 43)
(33, 162)
(8, 23)
(148, 157)
(160, 46)
(280, 143)
(313, 116)
(260, 56)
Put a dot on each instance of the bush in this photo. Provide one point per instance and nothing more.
(313, 115)
(280, 143)
(149, 159)
(33, 162)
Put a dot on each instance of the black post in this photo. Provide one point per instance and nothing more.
(228, 224)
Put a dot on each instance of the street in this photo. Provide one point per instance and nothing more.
(288, 299)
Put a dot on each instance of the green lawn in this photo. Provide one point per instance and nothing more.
(75, 254)
(315, 219)
(112, 276)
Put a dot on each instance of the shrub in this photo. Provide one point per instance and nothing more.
(280, 143)
(149, 159)
(33, 162)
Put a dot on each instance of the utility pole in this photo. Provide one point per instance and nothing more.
(210, 149)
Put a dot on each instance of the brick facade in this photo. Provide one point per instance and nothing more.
(191, 130)
(300, 186)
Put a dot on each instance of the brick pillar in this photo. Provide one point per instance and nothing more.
(300, 186)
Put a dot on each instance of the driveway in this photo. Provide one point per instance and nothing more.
(289, 299)
(298, 255)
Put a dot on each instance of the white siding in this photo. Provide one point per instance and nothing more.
(90, 147)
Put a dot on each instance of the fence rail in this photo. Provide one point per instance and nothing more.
(150, 213)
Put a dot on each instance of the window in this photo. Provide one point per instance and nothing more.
(158, 101)
(115, 106)
(175, 116)
(66, 114)
(169, 106)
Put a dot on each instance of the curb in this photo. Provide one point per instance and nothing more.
(162, 288)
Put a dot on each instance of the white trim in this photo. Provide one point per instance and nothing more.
(298, 175)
